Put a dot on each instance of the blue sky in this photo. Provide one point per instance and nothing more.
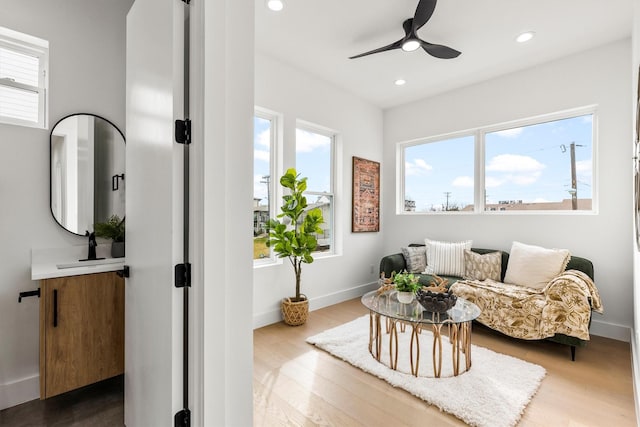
(530, 163)
(313, 158)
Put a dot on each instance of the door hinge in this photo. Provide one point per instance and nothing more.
(182, 274)
(183, 131)
(182, 418)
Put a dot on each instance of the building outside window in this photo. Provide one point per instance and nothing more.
(23, 79)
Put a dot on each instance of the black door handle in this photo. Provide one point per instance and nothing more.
(124, 272)
(55, 308)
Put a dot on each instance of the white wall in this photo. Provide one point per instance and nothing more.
(87, 74)
(635, 337)
(599, 76)
(299, 96)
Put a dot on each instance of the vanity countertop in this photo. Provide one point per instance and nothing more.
(62, 262)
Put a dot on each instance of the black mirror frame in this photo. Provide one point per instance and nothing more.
(124, 140)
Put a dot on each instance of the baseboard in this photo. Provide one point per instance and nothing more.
(17, 392)
(274, 316)
(635, 371)
(610, 330)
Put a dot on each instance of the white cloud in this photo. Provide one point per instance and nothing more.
(463, 181)
(492, 182)
(261, 155)
(514, 169)
(509, 133)
(584, 167)
(514, 163)
(264, 138)
(418, 167)
(307, 142)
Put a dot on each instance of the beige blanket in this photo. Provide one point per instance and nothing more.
(563, 306)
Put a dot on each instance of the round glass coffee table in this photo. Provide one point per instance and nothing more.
(398, 316)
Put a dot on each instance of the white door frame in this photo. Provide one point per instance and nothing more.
(222, 104)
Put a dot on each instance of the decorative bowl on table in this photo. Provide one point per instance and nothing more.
(436, 302)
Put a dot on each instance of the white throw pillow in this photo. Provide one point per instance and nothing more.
(446, 258)
(534, 266)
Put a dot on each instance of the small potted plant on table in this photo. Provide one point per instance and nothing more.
(406, 284)
(294, 238)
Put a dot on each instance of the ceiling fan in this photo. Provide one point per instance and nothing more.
(411, 41)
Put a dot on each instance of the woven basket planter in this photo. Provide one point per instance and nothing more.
(295, 313)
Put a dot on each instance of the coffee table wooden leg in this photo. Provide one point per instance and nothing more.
(466, 343)
(454, 338)
(393, 346)
(415, 341)
(437, 350)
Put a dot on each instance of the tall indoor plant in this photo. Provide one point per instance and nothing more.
(294, 238)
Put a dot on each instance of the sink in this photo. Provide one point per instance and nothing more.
(77, 264)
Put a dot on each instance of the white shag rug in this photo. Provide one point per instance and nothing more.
(493, 393)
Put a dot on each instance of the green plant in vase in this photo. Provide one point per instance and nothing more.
(407, 285)
(112, 229)
(294, 238)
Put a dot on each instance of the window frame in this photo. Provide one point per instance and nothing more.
(479, 135)
(331, 194)
(28, 45)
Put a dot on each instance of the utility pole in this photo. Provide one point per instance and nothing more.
(574, 182)
(447, 194)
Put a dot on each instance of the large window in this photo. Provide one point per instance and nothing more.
(314, 160)
(23, 79)
(542, 164)
(264, 137)
(435, 180)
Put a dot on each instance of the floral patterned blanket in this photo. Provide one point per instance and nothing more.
(563, 306)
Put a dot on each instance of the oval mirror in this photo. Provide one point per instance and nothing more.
(87, 160)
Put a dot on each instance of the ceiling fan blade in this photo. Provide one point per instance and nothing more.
(423, 13)
(392, 46)
(439, 51)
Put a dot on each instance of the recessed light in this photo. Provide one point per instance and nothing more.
(525, 37)
(275, 5)
(400, 82)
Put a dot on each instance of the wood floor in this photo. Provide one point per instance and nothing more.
(296, 384)
(96, 405)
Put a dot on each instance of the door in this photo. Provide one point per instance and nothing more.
(153, 352)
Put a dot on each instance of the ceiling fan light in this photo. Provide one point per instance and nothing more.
(525, 37)
(400, 82)
(275, 5)
(410, 45)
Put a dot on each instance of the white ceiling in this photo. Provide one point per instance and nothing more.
(318, 36)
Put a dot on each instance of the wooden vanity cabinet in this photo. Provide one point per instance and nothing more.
(81, 331)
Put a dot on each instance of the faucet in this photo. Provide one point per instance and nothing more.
(92, 245)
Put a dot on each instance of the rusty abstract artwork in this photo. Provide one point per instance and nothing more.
(366, 196)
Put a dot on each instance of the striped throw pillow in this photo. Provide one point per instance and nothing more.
(446, 258)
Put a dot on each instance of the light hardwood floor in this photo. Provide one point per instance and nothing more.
(297, 384)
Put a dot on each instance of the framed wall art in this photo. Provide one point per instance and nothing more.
(366, 196)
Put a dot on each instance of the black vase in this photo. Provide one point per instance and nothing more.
(117, 249)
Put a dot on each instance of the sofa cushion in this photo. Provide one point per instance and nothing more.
(446, 258)
(534, 266)
(415, 258)
(482, 267)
